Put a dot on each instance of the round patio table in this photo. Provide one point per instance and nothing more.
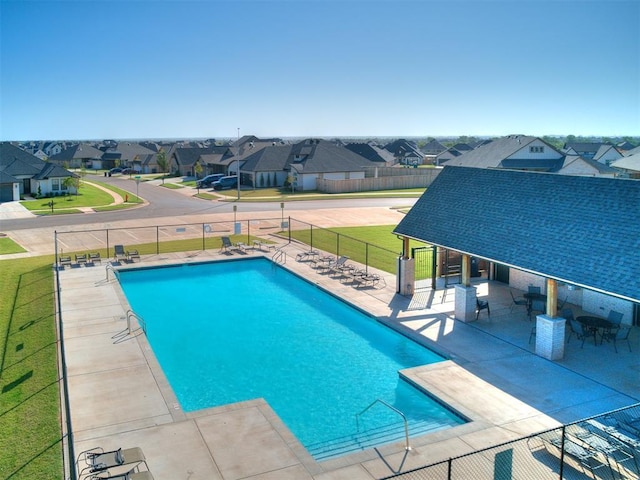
(599, 326)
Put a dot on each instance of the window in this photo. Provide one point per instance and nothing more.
(55, 184)
(539, 149)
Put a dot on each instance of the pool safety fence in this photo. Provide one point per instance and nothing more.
(359, 251)
(605, 446)
(184, 237)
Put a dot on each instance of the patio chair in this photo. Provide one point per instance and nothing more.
(64, 260)
(532, 289)
(482, 305)
(338, 266)
(582, 331)
(119, 253)
(81, 258)
(97, 460)
(518, 301)
(132, 255)
(94, 257)
(618, 333)
(615, 317)
(226, 244)
(537, 306)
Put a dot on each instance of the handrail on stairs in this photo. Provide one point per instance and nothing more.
(394, 409)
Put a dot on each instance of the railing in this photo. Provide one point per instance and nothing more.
(279, 257)
(108, 268)
(394, 409)
(141, 322)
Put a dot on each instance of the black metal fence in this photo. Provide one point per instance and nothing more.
(606, 446)
(360, 251)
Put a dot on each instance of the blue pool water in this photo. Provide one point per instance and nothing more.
(230, 331)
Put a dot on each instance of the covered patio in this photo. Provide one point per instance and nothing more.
(545, 231)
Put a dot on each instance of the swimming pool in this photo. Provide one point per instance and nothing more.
(230, 331)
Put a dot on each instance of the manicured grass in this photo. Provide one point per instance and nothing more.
(87, 197)
(30, 434)
(173, 186)
(8, 246)
(283, 194)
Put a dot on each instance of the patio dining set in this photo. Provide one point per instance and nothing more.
(609, 329)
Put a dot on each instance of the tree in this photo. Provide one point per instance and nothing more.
(73, 181)
(163, 163)
(197, 168)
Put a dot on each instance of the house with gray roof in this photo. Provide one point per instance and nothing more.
(81, 155)
(303, 164)
(405, 152)
(25, 174)
(607, 154)
(629, 166)
(519, 152)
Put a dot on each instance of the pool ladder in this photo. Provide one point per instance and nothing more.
(109, 268)
(141, 322)
(279, 257)
(394, 409)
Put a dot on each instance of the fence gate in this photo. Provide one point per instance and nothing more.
(424, 262)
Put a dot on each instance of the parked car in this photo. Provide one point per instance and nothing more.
(115, 170)
(208, 180)
(128, 171)
(225, 183)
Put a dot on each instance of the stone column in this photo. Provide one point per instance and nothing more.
(550, 337)
(406, 276)
(465, 308)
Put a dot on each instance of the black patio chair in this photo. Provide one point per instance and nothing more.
(482, 305)
(518, 301)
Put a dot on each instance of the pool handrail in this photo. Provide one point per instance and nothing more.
(391, 407)
(141, 322)
(280, 256)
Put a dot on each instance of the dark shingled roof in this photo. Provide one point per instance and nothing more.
(579, 230)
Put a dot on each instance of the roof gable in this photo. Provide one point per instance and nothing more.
(581, 230)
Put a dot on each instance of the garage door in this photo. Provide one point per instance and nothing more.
(6, 192)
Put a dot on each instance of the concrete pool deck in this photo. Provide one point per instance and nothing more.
(120, 398)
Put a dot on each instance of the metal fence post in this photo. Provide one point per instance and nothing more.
(157, 240)
(561, 475)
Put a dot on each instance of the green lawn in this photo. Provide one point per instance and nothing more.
(30, 435)
(88, 196)
(8, 246)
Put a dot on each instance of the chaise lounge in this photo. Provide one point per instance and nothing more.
(97, 460)
(119, 253)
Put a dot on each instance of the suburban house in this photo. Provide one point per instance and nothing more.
(405, 152)
(373, 153)
(451, 153)
(629, 166)
(183, 159)
(124, 154)
(81, 155)
(22, 173)
(607, 154)
(514, 152)
(302, 164)
(431, 150)
(575, 237)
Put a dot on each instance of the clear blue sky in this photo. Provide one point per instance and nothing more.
(168, 69)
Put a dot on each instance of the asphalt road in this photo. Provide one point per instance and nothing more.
(164, 202)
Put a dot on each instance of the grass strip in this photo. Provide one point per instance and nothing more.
(30, 433)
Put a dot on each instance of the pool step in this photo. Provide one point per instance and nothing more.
(370, 438)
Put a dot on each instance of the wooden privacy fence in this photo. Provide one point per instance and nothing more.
(387, 179)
